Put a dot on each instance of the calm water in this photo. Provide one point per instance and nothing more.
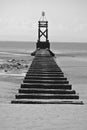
(32, 45)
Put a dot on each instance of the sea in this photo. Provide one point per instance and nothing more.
(72, 58)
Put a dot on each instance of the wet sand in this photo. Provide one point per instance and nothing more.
(46, 117)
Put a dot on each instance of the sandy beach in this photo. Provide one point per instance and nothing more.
(59, 26)
(45, 117)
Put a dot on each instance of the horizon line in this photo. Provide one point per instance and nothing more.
(36, 41)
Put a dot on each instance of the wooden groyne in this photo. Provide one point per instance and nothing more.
(45, 83)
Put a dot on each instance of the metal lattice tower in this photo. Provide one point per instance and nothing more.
(43, 41)
(43, 28)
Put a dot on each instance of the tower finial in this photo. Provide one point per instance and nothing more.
(43, 17)
(43, 13)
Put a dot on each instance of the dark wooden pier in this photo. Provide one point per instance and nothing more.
(45, 82)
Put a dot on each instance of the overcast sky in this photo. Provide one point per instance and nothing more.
(67, 19)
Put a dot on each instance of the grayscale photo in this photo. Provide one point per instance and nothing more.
(43, 64)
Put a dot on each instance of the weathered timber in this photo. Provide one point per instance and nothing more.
(46, 86)
(47, 91)
(45, 74)
(25, 101)
(46, 96)
(45, 83)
